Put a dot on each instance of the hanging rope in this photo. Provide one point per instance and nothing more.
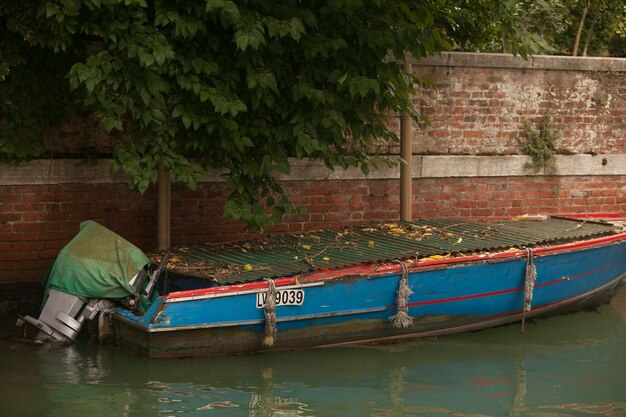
(529, 284)
(402, 319)
(270, 314)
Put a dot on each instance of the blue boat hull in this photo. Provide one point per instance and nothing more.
(354, 306)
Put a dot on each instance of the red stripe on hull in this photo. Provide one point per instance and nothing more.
(510, 290)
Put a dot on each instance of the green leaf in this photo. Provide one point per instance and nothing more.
(229, 11)
(296, 28)
(159, 57)
(242, 40)
(109, 123)
(142, 185)
(145, 96)
(179, 109)
(158, 115)
(51, 9)
(186, 121)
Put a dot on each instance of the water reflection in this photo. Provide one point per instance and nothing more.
(565, 366)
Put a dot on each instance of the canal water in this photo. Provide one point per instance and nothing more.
(572, 365)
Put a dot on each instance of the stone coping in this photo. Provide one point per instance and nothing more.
(540, 62)
(70, 171)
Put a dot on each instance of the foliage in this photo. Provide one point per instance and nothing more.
(548, 26)
(33, 91)
(557, 21)
(540, 145)
(221, 84)
(492, 26)
(616, 44)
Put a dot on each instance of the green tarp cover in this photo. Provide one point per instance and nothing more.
(97, 263)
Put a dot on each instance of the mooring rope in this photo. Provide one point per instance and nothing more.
(529, 284)
(270, 314)
(402, 319)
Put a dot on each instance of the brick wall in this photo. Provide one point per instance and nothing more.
(344, 203)
(477, 111)
(37, 221)
(479, 108)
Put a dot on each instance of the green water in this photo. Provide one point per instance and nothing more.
(572, 365)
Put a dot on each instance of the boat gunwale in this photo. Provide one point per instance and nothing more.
(372, 270)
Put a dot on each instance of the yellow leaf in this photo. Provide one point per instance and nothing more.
(371, 244)
(459, 240)
(326, 258)
(397, 230)
(449, 234)
(437, 257)
(390, 225)
(307, 247)
(247, 267)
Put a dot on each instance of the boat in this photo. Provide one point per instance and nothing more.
(360, 285)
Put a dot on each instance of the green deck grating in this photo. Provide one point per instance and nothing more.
(285, 255)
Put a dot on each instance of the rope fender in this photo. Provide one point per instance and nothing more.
(270, 314)
(529, 284)
(402, 319)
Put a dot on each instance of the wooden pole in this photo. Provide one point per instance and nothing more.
(406, 168)
(164, 200)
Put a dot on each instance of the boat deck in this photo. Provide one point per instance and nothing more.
(288, 255)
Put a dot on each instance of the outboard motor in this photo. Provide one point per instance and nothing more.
(63, 315)
(96, 271)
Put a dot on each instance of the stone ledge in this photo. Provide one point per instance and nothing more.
(514, 165)
(64, 171)
(59, 171)
(543, 62)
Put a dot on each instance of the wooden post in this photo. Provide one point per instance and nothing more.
(164, 200)
(406, 168)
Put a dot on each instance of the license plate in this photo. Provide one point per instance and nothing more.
(291, 297)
